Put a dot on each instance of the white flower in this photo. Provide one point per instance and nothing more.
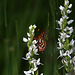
(61, 20)
(33, 70)
(63, 36)
(70, 6)
(30, 48)
(27, 72)
(32, 31)
(30, 27)
(28, 34)
(66, 2)
(71, 30)
(65, 17)
(33, 60)
(61, 67)
(35, 51)
(70, 21)
(34, 46)
(34, 42)
(38, 62)
(72, 42)
(68, 11)
(61, 53)
(24, 58)
(41, 74)
(28, 55)
(34, 26)
(73, 49)
(67, 53)
(58, 28)
(73, 60)
(60, 24)
(28, 38)
(24, 39)
(60, 45)
(67, 28)
(61, 8)
(65, 62)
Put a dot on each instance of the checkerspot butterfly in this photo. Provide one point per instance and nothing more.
(41, 41)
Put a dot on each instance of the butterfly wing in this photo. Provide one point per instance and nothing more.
(41, 41)
(42, 45)
(43, 35)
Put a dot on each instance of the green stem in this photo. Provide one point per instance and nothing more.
(5, 14)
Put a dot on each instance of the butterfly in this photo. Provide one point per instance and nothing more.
(41, 41)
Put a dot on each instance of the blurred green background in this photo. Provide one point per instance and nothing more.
(15, 18)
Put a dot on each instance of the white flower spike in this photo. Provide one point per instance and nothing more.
(65, 45)
(32, 51)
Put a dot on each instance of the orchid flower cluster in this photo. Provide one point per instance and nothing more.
(32, 51)
(64, 41)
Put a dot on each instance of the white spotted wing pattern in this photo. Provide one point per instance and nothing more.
(42, 41)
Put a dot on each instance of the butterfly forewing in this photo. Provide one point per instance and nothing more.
(42, 45)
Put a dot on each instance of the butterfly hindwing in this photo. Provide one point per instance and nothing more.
(42, 45)
(42, 41)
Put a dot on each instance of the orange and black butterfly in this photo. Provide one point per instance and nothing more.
(41, 41)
